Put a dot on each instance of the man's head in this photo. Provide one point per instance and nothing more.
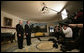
(79, 14)
(28, 22)
(20, 22)
(65, 27)
(56, 26)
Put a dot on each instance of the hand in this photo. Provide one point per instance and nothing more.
(19, 35)
(72, 41)
(26, 33)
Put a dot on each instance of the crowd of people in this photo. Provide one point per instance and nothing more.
(71, 31)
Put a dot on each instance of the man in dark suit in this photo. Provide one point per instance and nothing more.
(20, 32)
(28, 33)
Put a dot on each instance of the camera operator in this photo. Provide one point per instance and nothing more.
(58, 32)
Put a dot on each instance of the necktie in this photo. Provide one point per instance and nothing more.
(29, 25)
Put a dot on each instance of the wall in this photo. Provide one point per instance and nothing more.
(15, 20)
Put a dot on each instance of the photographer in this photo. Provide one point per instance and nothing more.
(58, 32)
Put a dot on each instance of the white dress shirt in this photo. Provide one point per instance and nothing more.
(28, 25)
(68, 32)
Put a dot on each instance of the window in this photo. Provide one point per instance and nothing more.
(64, 14)
(51, 29)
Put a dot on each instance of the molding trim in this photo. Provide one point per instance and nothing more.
(8, 27)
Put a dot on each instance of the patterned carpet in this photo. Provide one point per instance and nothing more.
(46, 45)
(36, 46)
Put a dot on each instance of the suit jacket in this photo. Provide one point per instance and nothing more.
(19, 29)
(27, 29)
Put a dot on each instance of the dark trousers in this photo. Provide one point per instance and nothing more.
(81, 41)
(56, 35)
(28, 39)
(20, 42)
(66, 41)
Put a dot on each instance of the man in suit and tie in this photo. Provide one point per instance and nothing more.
(28, 33)
(20, 32)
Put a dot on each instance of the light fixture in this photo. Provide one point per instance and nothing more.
(45, 7)
(64, 14)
